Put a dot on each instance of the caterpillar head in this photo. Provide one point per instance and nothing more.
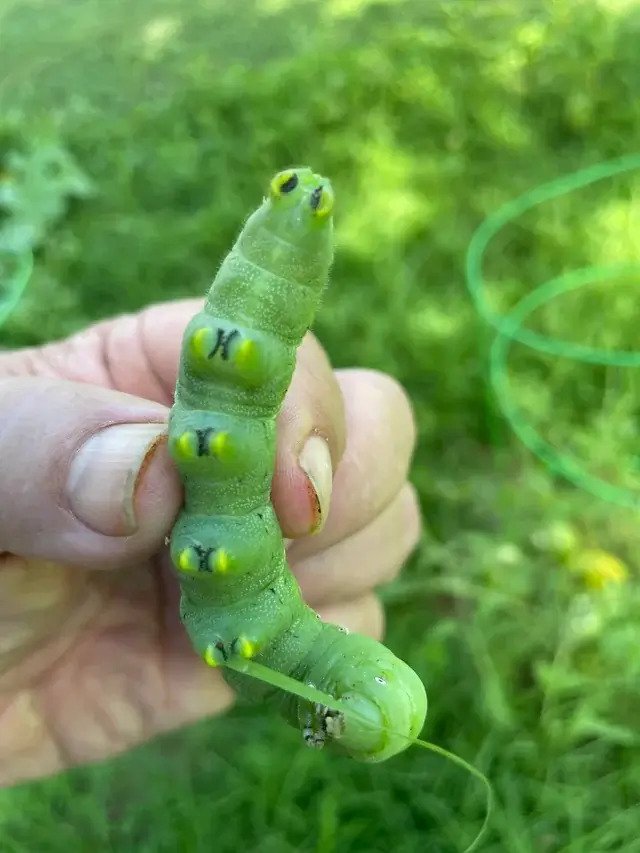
(298, 212)
(387, 713)
(291, 233)
(301, 194)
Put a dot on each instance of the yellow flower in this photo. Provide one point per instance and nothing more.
(599, 568)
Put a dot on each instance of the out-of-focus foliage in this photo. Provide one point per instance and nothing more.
(34, 188)
(426, 115)
(33, 194)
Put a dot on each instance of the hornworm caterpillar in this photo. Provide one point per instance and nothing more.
(240, 601)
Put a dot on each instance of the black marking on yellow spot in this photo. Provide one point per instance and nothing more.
(203, 440)
(315, 198)
(203, 557)
(290, 184)
(222, 343)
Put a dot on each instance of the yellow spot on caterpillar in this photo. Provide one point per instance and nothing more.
(245, 647)
(282, 183)
(220, 445)
(325, 205)
(246, 355)
(210, 656)
(187, 560)
(187, 445)
(222, 562)
(201, 342)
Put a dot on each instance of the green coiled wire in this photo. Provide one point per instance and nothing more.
(510, 327)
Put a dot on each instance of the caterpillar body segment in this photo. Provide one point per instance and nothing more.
(239, 599)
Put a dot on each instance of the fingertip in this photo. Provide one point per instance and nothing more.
(311, 437)
(383, 396)
(295, 501)
(158, 495)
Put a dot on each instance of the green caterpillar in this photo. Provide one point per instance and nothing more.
(240, 603)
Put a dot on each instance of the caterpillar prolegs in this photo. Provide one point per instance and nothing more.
(239, 599)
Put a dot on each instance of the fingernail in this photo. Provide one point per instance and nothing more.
(104, 475)
(315, 461)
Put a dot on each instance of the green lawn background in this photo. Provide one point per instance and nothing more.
(427, 116)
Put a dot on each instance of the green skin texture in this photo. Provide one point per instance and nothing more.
(267, 290)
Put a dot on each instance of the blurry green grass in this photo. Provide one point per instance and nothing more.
(426, 115)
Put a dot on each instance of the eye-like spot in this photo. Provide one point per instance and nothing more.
(379, 679)
(290, 184)
(283, 183)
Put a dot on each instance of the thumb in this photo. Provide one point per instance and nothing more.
(85, 476)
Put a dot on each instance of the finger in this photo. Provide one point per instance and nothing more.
(134, 353)
(139, 354)
(311, 433)
(363, 615)
(86, 476)
(372, 556)
(374, 466)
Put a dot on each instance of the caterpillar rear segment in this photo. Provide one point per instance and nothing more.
(239, 597)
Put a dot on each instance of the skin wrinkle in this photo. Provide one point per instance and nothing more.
(111, 347)
(143, 337)
(104, 359)
(69, 358)
(79, 611)
(137, 709)
(28, 365)
(42, 742)
(168, 337)
(115, 586)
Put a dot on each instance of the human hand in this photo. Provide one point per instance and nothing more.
(93, 658)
